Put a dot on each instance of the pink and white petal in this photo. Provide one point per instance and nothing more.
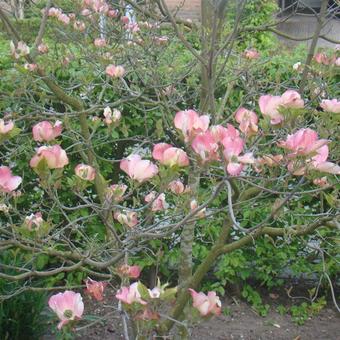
(234, 169)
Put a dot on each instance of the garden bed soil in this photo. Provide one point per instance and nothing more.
(241, 322)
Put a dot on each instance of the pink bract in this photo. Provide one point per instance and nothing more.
(85, 172)
(68, 306)
(129, 219)
(130, 295)
(8, 182)
(6, 127)
(54, 156)
(269, 106)
(138, 169)
(206, 304)
(205, 146)
(176, 187)
(95, 288)
(190, 123)
(45, 131)
(158, 201)
(132, 272)
(331, 105)
(115, 71)
(168, 155)
(248, 121)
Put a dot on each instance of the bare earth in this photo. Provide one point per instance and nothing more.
(245, 324)
(241, 323)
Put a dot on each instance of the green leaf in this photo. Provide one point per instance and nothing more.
(41, 261)
(143, 291)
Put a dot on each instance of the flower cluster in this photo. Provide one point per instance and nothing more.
(210, 143)
(304, 145)
(270, 105)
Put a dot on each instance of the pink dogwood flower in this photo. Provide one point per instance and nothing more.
(116, 192)
(248, 121)
(85, 172)
(45, 131)
(43, 48)
(132, 27)
(99, 6)
(79, 25)
(130, 294)
(34, 221)
(190, 123)
(176, 187)
(269, 106)
(85, 12)
(331, 105)
(232, 150)
(205, 146)
(54, 12)
(72, 16)
(115, 71)
(68, 306)
(138, 169)
(168, 155)
(63, 18)
(297, 67)
(321, 58)
(8, 182)
(220, 132)
(194, 206)
(319, 162)
(95, 288)
(5, 128)
(20, 50)
(161, 40)
(124, 20)
(111, 116)
(206, 304)
(251, 54)
(54, 156)
(129, 219)
(133, 272)
(321, 182)
(100, 42)
(158, 201)
(113, 13)
(30, 67)
(292, 99)
(305, 142)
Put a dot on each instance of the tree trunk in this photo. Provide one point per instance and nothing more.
(213, 14)
(206, 100)
(21, 9)
(188, 233)
(18, 7)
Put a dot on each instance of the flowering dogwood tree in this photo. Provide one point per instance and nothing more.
(86, 194)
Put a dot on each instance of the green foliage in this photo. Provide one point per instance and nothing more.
(21, 315)
(258, 13)
(300, 313)
(282, 310)
(28, 28)
(254, 298)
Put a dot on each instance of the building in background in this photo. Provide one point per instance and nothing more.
(301, 24)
